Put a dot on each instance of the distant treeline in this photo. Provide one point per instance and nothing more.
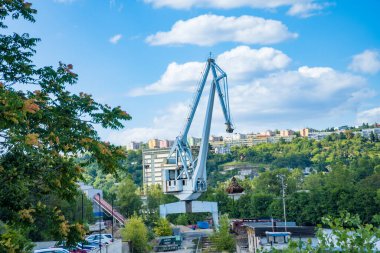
(345, 177)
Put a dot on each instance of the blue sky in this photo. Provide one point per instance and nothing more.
(291, 63)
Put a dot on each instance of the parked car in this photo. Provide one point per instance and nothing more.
(88, 245)
(72, 249)
(52, 250)
(100, 238)
(109, 236)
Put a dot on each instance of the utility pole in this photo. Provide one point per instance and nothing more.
(82, 210)
(112, 215)
(100, 225)
(82, 215)
(283, 186)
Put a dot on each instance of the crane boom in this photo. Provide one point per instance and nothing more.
(188, 178)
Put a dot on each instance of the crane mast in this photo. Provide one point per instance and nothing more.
(186, 176)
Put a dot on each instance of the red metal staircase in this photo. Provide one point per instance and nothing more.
(108, 209)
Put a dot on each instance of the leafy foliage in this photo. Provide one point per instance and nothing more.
(12, 240)
(162, 227)
(136, 232)
(127, 199)
(182, 219)
(222, 238)
(130, 166)
(43, 128)
(345, 177)
(345, 234)
(154, 198)
(348, 234)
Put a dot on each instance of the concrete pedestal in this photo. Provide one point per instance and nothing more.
(192, 207)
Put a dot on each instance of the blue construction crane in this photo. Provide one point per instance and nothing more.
(185, 176)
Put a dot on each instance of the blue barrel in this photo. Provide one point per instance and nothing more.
(202, 224)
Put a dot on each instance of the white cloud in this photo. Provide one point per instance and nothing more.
(304, 92)
(241, 62)
(263, 93)
(115, 39)
(281, 99)
(208, 30)
(306, 9)
(177, 77)
(369, 116)
(166, 125)
(289, 99)
(366, 62)
(354, 101)
(301, 8)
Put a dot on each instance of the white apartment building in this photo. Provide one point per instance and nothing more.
(225, 149)
(286, 133)
(235, 137)
(319, 135)
(193, 141)
(268, 133)
(154, 161)
(367, 132)
(214, 138)
(133, 145)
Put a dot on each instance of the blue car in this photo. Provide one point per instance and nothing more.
(88, 245)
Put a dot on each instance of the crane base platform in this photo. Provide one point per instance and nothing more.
(192, 207)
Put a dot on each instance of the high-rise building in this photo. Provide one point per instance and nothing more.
(367, 132)
(164, 144)
(268, 133)
(214, 138)
(235, 137)
(133, 145)
(154, 162)
(285, 133)
(153, 143)
(304, 132)
(194, 142)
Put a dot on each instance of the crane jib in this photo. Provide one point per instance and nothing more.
(186, 177)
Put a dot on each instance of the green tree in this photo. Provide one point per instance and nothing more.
(43, 129)
(73, 210)
(127, 198)
(347, 235)
(136, 232)
(162, 227)
(260, 203)
(108, 183)
(182, 219)
(12, 240)
(222, 238)
(42, 228)
(155, 197)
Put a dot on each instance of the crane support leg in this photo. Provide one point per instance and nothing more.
(192, 207)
